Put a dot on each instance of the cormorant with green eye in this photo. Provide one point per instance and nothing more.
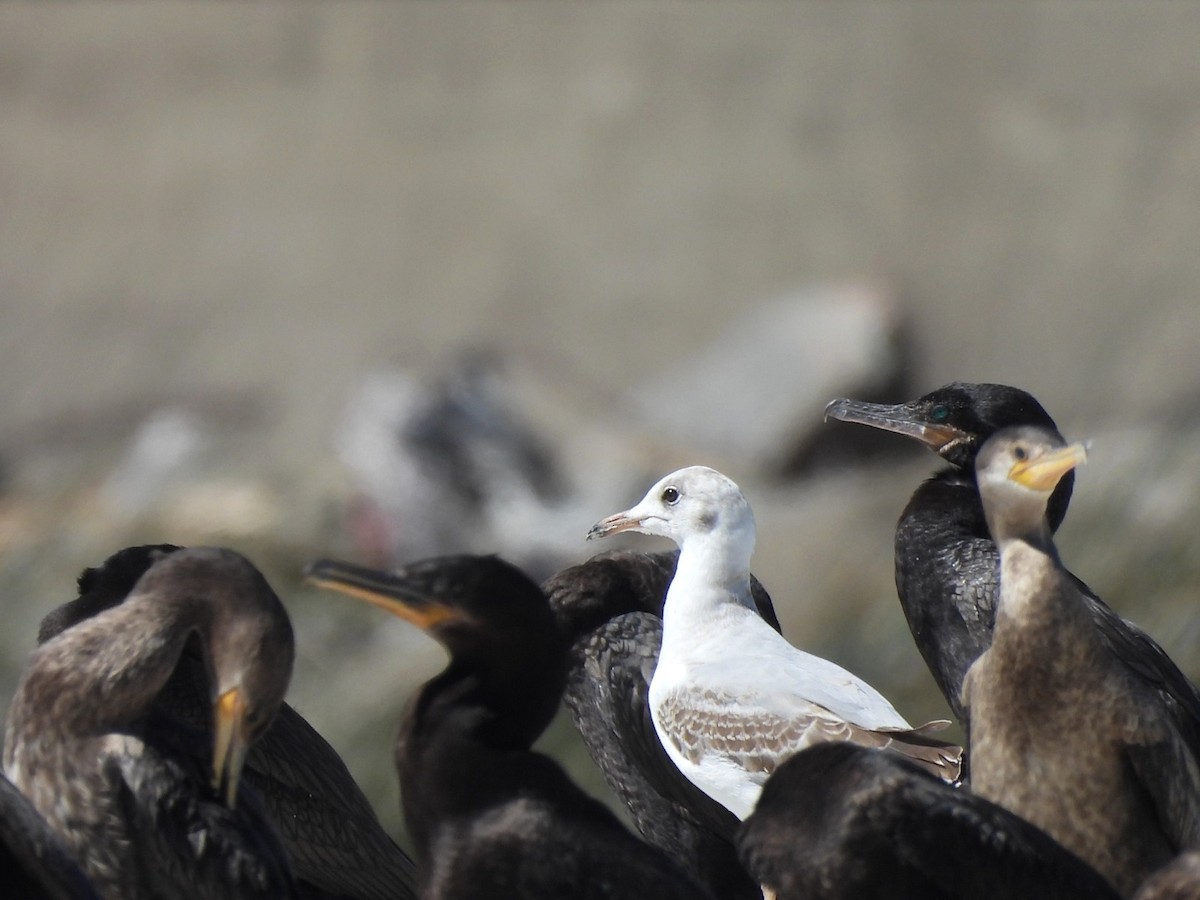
(948, 566)
(609, 609)
(489, 817)
(333, 839)
(1062, 733)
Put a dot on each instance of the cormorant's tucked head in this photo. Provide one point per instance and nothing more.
(589, 594)
(248, 643)
(693, 503)
(1017, 470)
(103, 587)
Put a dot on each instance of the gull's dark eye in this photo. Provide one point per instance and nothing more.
(939, 413)
(670, 496)
(1020, 452)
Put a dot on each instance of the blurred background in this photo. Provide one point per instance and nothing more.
(380, 281)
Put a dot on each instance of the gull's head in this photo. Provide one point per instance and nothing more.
(696, 502)
(1017, 470)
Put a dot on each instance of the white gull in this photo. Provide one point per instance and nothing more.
(731, 699)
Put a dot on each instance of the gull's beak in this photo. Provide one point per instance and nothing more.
(900, 418)
(614, 524)
(1043, 472)
(383, 589)
(229, 744)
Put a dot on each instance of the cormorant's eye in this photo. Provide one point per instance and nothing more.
(939, 413)
(670, 496)
(1020, 452)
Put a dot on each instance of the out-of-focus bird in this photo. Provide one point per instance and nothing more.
(121, 785)
(489, 817)
(1061, 732)
(731, 698)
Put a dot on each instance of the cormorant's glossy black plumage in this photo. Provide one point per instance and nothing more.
(35, 864)
(333, 839)
(841, 822)
(121, 784)
(948, 567)
(609, 608)
(489, 817)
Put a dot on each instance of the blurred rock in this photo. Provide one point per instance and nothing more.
(163, 449)
(755, 395)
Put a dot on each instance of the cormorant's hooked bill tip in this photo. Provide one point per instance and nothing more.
(1043, 472)
(388, 591)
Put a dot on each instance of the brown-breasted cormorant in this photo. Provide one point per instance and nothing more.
(609, 609)
(730, 697)
(1061, 732)
(842, 822)
(118, 783)
(333, 839)
(35, 864)
(489, 817)
(948, 567)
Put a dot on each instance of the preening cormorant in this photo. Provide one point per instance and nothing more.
(1061, 732)
(333, 839)
(731, 698)
(842, 822)
(609, 609)
(948, 567)
(489, 817)
(121, 785)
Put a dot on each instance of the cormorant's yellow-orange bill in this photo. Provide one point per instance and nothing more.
(1043, 472)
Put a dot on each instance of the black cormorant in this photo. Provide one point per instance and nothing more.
(333, 839)
(609, 608)
(35, 864)
(489, 817)
(948, 567)
(1061, 732)
(842, 822)
(118, 783)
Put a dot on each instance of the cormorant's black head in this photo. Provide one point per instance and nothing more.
(458, 600)
(492, 618)
(104, 586)
(953, 421)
